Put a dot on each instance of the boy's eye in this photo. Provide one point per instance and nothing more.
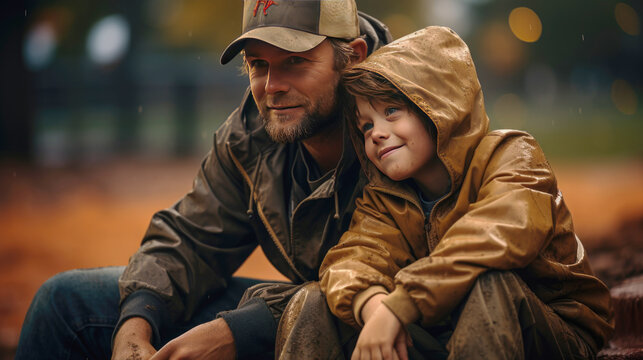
(390, 111)
(366, 127)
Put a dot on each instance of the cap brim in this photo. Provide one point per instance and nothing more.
(285, 38)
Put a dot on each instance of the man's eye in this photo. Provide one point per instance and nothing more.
(258, 63)
(295, 60)
(390, 111)
(366, 127)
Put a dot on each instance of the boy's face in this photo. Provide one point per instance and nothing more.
(396, 140)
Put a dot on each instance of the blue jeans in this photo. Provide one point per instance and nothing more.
(73, 315)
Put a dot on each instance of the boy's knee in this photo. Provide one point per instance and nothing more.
(308, 296)
(500, 280)
(311, 290)
(497, 290)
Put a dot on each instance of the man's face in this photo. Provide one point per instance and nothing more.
(295, 92)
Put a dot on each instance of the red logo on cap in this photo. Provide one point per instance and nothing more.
(266, 5)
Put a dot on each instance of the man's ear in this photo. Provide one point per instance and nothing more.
(360, 47)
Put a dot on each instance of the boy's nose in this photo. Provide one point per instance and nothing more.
(379, 133)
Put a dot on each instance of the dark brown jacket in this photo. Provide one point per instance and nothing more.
(239, 201)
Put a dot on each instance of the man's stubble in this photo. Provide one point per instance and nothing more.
(318, 116)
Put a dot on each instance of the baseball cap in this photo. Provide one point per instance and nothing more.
(295, 25)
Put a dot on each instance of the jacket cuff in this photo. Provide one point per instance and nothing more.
(402, 306)
(147, 305)
(362, 297)
(253, 328)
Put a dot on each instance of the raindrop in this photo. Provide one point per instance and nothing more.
(140, 109)
(582, 36)
(580, 111)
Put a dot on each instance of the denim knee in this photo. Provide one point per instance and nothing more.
(77, 295)
(52, 294)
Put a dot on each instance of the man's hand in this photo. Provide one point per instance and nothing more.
(383, 335)
(212, 340)
(132, 340)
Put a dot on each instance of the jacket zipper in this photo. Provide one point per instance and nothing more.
(417, 205)
(262, 216)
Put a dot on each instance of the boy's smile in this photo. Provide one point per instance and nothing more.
(387, 151)
(397, 141)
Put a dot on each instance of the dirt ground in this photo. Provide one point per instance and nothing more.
(53, 220)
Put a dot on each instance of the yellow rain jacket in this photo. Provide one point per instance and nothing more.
(504, 210)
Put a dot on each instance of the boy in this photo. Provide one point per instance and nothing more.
(459, 229)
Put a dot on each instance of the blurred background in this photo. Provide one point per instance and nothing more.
(107, 107)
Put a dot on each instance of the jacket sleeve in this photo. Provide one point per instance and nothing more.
(509, 220)
(508, 217)
(365, 260)
(191, 249)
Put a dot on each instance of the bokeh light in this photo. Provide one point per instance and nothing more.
(500, 50)
(196, 24)
(39, 46)
(525, 24)
(509, 111)
(457, 15)
(627, 19)
(624, 97)
(108, 40)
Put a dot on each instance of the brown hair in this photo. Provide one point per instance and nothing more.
(375, 87)
(371, 86)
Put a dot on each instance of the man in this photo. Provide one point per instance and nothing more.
(280, 175)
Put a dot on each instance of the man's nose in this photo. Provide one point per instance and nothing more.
(277, 81)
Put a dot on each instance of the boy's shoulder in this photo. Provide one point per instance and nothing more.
(496, 137)
(507, 146)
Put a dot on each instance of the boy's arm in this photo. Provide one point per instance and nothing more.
(512, 218)
(364, 261)
(383, 335)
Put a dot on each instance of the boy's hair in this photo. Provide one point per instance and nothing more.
(375, 87)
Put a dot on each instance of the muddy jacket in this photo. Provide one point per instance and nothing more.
(503, 211)
(239, 200)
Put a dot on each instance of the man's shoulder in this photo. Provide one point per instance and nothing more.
(243, 127)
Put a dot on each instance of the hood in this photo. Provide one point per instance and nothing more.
(434, 69)
(375, 32)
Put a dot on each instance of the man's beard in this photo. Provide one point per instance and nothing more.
(316, 118)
